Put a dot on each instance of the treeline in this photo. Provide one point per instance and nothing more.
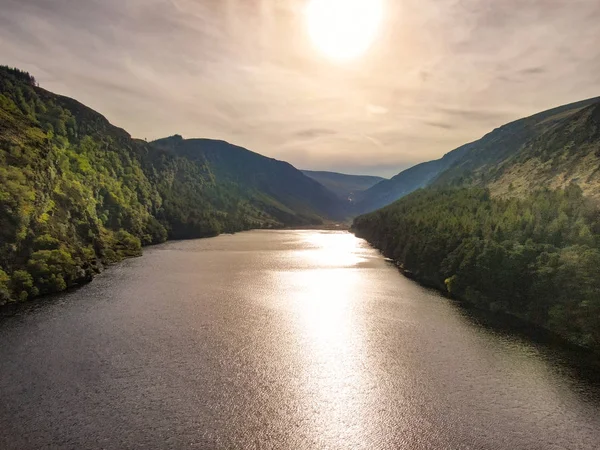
(77, 193)
(536, 257)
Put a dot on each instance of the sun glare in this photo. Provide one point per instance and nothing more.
(344, 29)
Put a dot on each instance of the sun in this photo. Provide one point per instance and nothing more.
(344, 29)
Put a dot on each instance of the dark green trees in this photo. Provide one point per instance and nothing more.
(77, 193)
(536, 257)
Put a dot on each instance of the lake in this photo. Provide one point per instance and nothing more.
(278, 340)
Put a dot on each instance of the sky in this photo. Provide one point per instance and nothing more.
(439, 74)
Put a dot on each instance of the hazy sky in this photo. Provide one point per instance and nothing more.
(442, 72)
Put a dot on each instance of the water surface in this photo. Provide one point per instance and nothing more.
(278, 340)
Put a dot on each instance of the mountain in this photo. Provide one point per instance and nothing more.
(388, 191)
(344, 186)
(470, 163)
(273, 186)
(510, 229)
(77, 193)
(566, 153)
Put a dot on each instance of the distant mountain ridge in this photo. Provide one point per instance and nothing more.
(470, 163)
(345, 186)
(416, 177)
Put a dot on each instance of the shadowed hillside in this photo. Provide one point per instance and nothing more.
(346, 187)
(271, 185)
(470, 163)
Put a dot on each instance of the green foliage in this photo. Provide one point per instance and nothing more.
(77, 193)
(46, 242)
(536, 257)
(19, 75)
(22, 285)
(249, 182)
(4, 287)
(154, 232)
(53, 270)
(127, 245)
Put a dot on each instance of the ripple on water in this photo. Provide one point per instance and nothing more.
(278, 340)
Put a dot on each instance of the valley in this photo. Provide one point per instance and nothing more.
(499, 223)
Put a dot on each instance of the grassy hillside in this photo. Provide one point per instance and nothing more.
(473, 163)
(77, 193)
(346, 187)
(566, 153)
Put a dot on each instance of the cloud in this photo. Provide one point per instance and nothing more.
(442, 125)
(474, 115)
(533, 70)
(376, 110)
(444, 72)
(314, 133)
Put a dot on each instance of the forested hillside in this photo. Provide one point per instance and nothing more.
(536, 257)
(273, 186)
(474, 163)
(517, 232)
(77, 193)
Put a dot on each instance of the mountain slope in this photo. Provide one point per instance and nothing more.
(496, 147)
(271, 185)
(535, 257)
(388, 191)
(517, 232)
(566, 153)
(344, 186)
(470, 163)
(77, 193)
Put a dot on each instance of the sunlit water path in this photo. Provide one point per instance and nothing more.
(277, 340)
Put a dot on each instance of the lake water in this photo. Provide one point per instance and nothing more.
(278, 340)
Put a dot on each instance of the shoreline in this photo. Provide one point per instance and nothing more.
(506, 319)
(497, 320)
(12, 308)
(500, 320)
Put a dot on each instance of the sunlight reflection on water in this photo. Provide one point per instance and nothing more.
(279, 340)
(339, 249)
(324, 301)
